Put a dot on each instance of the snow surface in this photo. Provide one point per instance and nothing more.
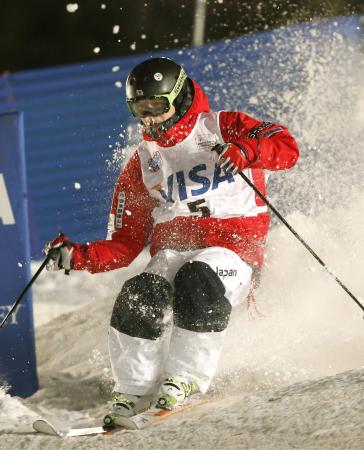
(292, 373)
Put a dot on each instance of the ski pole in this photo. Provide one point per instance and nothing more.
(44, 263)
(314, 254)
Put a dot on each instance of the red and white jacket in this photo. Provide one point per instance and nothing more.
(172, 193)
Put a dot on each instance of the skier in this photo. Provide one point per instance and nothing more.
(180, 191)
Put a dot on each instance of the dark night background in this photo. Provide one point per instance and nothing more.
(42, 33)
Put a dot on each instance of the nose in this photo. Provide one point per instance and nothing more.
(146, 114)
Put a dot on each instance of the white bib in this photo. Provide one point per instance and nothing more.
(188, 182)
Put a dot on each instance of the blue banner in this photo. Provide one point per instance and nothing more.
(17, 349)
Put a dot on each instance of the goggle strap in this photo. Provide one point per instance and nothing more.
(179, 84)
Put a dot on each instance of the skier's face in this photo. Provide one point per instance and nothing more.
(149, 120)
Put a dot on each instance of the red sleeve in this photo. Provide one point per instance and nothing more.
(267, 145)
(129, 226)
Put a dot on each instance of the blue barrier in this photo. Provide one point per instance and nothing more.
(75, 115)
(17, 350)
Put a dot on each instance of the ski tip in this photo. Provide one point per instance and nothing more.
(45, 427)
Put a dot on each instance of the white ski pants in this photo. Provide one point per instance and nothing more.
(140, 365)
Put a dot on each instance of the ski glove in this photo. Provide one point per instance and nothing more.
(60, 252)
(232, 157)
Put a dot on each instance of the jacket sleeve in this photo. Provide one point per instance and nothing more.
(267, 145)
(130, 224)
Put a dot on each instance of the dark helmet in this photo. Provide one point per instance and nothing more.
(155, 78)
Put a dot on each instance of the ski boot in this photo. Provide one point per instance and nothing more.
(126, 405)
(173, 392)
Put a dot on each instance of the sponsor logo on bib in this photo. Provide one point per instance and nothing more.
(206, 141)
(198, 174)
(155, 162)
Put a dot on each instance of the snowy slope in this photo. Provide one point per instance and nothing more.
(277, 385)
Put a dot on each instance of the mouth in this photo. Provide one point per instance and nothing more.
(149, 121)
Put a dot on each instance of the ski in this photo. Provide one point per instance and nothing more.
(150, 417)
(45, 427)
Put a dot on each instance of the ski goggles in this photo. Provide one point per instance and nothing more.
(156, 105)
(152, 106)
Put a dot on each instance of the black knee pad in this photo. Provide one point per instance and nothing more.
(199, 301)
(141, 307)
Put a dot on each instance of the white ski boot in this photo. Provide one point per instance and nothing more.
(174, 391)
